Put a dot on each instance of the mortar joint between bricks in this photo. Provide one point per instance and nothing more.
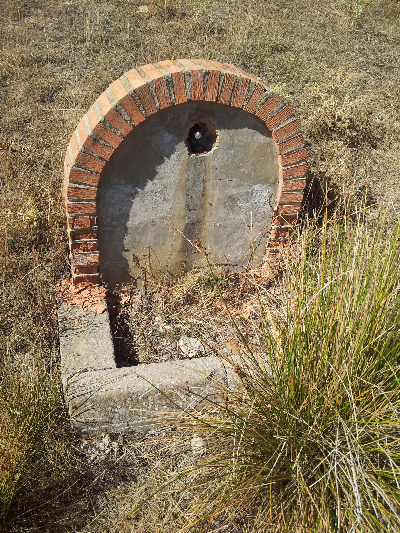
(187, 78)
(117, 107)
(93, 135)
(250, 90)
(267, 95)
(88, 152)
(235, 84)
(289, 120)
(132, 93)
(151, 87)
(168, 82)
(295, 149)
(294, 163)
(101, 118)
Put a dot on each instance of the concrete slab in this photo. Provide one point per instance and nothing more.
(124, 399)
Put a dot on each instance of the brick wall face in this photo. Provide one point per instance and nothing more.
(142, 92)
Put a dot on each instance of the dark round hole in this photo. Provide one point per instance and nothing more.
(200, 139)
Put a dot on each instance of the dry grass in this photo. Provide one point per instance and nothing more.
(336, 62)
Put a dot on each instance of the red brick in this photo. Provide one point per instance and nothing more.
(280, 117)
(81, 158)
(93, 279)
(86, 269)
(91, 144)
(84, 259)
(196, 79)
(83, 233)
(294, 185)
(81, 208)
(290, 197)
(66, 175)
(292, 157)
(212, 86)
(228, 82)
(178, 81)
(292, 172)
(102, 131)
(290, 144)
(67, 162)
(283, 132)
(83, 246)
(274, 247)
(284, 220)
(255, 98)
(240, 93)
(82, 222)
(267, 108)
(212, 80)
(81, 193)
(206, 64)
(279, 232)
(112, 116)
(284, 210)
(73, 142)
(126, 102)
(159, 84)
(239, 72)
(226, 89)
(82, 176)
(88, 161)
(272, 252)
(141, 89)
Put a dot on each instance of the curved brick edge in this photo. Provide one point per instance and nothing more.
(138, 94)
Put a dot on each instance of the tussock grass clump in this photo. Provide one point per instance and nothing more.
(28, 402)
(310, 437)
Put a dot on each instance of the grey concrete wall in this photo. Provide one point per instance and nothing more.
(152, 193)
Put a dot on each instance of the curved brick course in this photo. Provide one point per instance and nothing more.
(138, 94)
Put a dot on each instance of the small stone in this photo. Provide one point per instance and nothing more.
(197, 444)
(191, 347)
(143, 10)
(96, 450)
(166, 356)
(233, 347)
(98, 308)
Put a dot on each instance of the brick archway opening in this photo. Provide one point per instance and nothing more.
(140, 93)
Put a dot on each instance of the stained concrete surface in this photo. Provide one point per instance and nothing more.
(154, 196)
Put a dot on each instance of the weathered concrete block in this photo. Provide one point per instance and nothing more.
(85, 340)
(122, 399)
(100, 396)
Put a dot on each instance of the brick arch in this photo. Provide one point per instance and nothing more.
(142, 92)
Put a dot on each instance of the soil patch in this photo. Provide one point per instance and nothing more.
(151, 323)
